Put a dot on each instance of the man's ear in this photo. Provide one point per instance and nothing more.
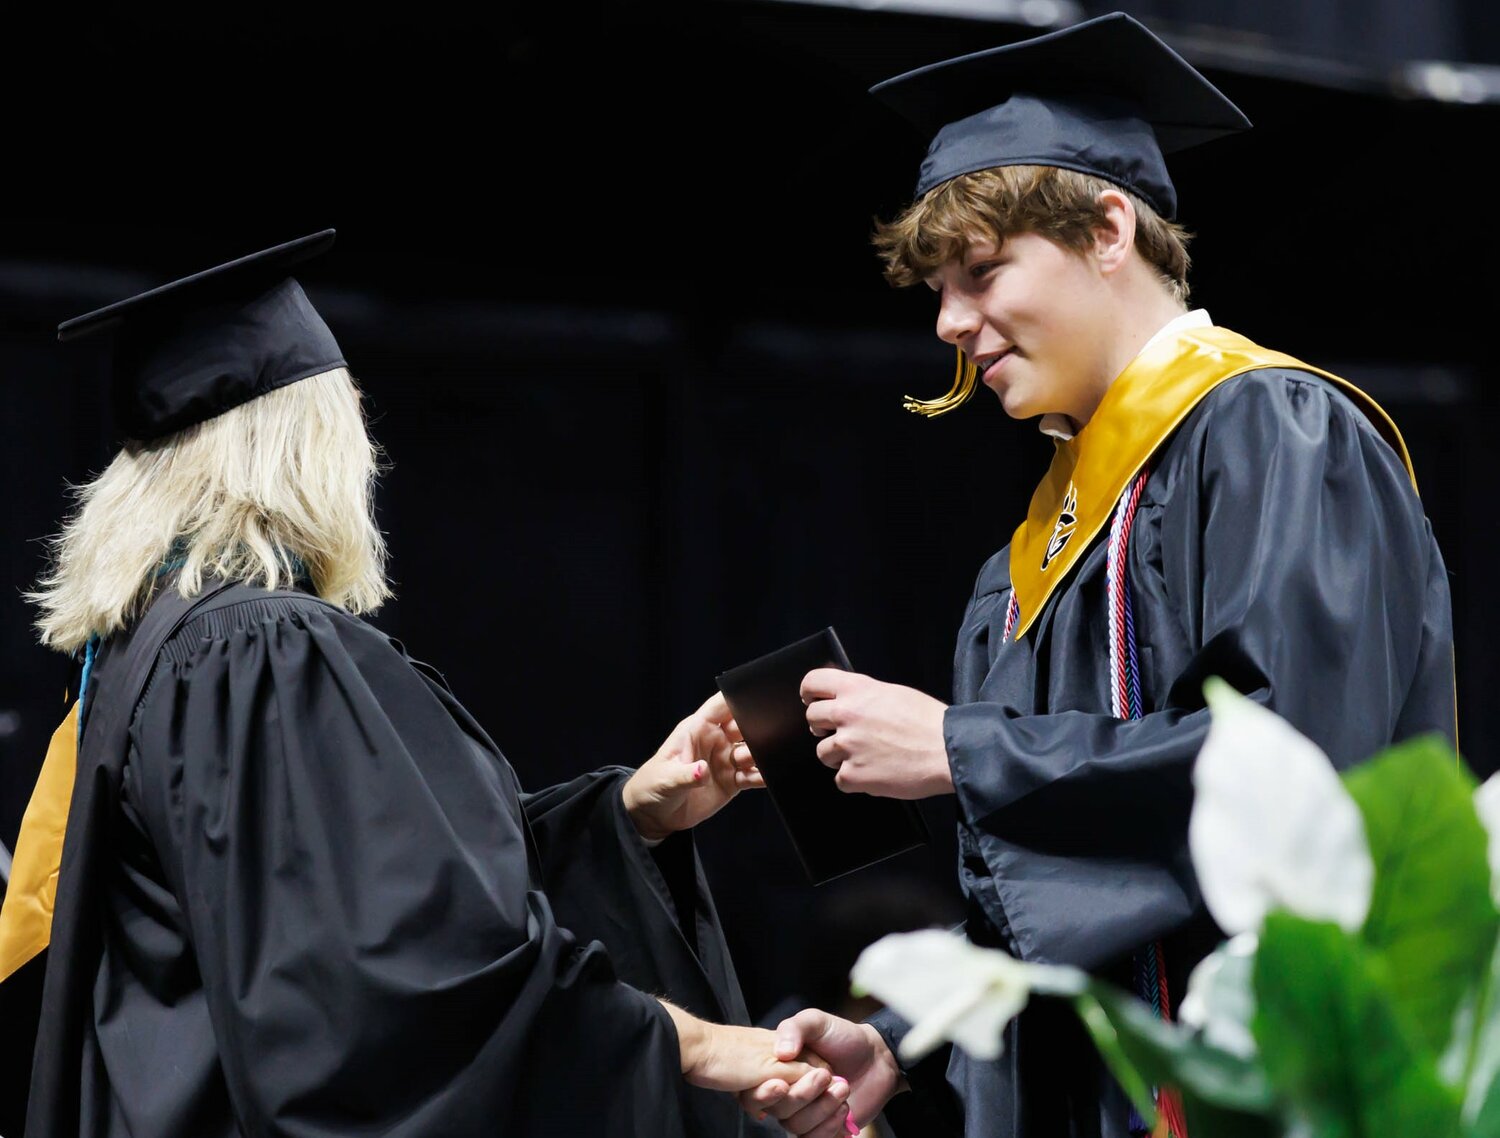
(1114, 237)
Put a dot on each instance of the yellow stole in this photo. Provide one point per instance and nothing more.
(1144, 405)
(26, 918)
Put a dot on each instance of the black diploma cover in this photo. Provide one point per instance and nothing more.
(834, 833)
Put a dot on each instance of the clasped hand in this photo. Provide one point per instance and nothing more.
(864, 1077)
(754, 1061)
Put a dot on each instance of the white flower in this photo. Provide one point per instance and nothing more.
(1487, 803)
(948, 988)
(1272, 826)
(1220, 998)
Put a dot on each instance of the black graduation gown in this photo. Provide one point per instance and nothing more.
(320, 906)
(1279, 544)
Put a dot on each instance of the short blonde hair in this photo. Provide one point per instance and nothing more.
(283, 482)
(990, 205)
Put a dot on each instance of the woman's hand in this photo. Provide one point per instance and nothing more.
(693, 775)
(724, 1057)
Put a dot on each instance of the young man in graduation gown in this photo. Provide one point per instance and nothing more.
(297, 888)
(1213, 508)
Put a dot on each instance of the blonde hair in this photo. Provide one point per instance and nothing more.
(989, 205)
(281, 482)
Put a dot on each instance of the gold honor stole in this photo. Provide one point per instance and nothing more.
(1144, 405)
(26, 919)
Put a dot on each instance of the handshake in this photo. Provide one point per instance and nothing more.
(817, 1074)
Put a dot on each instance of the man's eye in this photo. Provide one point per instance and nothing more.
(981, 269)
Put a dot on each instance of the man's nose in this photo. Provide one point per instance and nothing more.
(957, 320)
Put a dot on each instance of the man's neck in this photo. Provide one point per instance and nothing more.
(1136, 328)
(1138, 321)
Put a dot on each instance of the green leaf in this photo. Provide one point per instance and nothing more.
(1475, 1055)
(1487, 1125)
(1332, 1042)
(1116, 1058)
(1431, 917)
(1204, 1119)
(1142, 1051)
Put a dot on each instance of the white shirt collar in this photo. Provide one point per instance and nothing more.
(1197, 318)
(1059, 426)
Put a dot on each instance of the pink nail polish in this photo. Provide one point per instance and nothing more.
(849, 1123)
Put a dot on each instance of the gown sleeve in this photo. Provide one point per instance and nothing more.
(1295, 557)
(651, 906)
(354, 874)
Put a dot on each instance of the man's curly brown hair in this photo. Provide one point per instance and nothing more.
(990, 205)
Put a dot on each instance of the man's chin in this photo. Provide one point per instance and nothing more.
(1016, 405)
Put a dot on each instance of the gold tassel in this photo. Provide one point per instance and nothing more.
(964, 379)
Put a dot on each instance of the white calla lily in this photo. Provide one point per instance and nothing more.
(1487, 804)
(947, 988)
(1272, 825)
(1220, 999)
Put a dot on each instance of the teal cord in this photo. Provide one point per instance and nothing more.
(91, 648)
(89, 651)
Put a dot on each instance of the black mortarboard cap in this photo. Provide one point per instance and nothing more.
(196, 347)
(1103, 97)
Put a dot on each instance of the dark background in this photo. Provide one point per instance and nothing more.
(604, 273)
